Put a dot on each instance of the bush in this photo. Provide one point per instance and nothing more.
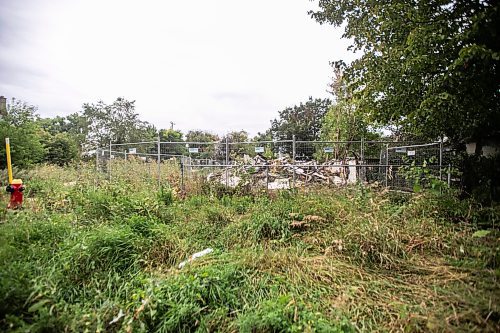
(60, 149)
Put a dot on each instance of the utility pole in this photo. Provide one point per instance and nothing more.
(3, 107)
(172, 125)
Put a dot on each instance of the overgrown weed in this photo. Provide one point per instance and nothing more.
(103, 255)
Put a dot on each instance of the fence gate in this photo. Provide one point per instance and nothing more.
(405, 165)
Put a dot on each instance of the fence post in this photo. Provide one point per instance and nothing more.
(159, 160)
(97, 160)
(182, 175)
(386, 164)
(227, 160)
(362, 170)
(440, 158)
(449, 175)
(267, 177)
(293, 159)
(109, 162)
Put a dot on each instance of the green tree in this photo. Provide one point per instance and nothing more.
(71, 129)
(343, 121)
(171, 135)
(21, 128)
(74, 124)
(236, 136)
(237, 149)
(61, 149)
(209, 150)
(265, 136)
(429, 65)
(116, 122)
(55, 125)
(174, 139)
(304, 121)
(201, 136)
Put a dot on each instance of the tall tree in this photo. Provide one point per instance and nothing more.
(304, 120)
(201, 136)
(21, 128)
(265, 136)
(430, 65)
(171, 135)
(174, 142)
(236, 148)
(203, 142)
(236, 136)
(116, 122)
(342, 121)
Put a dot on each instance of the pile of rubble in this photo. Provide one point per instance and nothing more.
(282, 173)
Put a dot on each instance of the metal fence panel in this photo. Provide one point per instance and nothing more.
(408, 164)
(273, 164)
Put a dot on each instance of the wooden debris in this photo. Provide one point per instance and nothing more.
(283, 173)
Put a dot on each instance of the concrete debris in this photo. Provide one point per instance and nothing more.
(118, 317)
(194, 256)
(282, 173)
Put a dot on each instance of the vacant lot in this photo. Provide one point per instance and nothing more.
(87, 255)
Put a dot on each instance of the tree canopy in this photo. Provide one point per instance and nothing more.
(171, 135)
(201, 136)
(428, 65)
(116, 122)
(303, 120)
(25, 136)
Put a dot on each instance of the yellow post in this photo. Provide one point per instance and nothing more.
(9, 163)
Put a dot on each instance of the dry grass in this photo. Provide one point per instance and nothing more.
(355, 259)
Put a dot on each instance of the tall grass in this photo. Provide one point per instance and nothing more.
(86, 254)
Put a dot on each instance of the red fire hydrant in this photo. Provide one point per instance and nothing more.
(16, 194)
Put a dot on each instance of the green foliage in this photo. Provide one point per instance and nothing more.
(171, 135)
(343, 122)
(266, 136)
(431, 66)
(166, 195)
(422, 177)
(205, 150)
(480, 177)
(285, 314)
(24, 134)
(115, 122)
(61, 149)
(304, 121)
(340, 123)
(104, 256)
(269, 226)
(201, 136)
(103, 251)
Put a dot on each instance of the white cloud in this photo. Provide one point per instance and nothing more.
(218, 65)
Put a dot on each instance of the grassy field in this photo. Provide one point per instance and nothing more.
(90, 255)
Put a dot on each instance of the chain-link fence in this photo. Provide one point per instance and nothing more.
(275, 164)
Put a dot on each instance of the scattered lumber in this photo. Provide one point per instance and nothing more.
(281, 173)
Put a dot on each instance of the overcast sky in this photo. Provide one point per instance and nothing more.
(217, 65)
